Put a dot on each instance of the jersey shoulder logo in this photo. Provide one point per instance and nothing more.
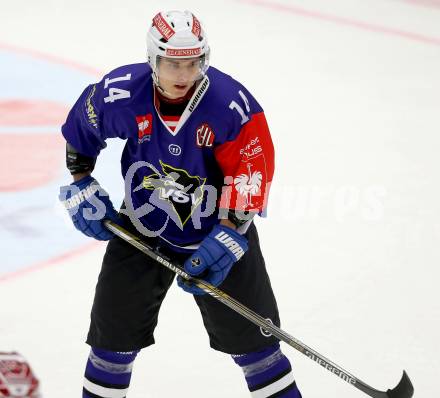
(92, 117)
(181, 191)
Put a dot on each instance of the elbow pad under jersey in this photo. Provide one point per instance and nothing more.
(77, 162)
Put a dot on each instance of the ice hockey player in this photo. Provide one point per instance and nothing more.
(197, 164)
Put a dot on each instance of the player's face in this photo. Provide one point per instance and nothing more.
(177, 76)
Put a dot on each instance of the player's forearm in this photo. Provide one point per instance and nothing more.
(78, 164)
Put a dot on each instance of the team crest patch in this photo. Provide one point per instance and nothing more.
(182, 192)
(145, 127)
(205, 136)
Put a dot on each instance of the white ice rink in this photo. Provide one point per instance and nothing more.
(351, 90)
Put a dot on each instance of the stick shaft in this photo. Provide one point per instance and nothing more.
(253, 317)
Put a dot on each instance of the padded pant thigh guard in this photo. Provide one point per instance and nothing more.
(128, 296)
(249, 283)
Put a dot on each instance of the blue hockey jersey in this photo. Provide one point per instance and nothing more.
(219, 156)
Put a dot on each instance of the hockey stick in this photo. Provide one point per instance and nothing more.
(403, 390)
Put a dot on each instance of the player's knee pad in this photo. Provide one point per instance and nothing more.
(108, 373)
(268, 373)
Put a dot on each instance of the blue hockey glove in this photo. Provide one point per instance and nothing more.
(214, 258)
(88, 205)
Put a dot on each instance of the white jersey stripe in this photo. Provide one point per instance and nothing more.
(171, 124)
(104, 391)
(274, 387)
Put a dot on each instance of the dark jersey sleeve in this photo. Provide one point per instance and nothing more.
(96, 116)
(84, 125)
(246, 158)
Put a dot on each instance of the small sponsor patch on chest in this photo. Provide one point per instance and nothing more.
(145, 127)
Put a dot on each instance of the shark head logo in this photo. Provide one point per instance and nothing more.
(181, 191)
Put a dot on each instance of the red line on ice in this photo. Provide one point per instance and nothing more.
(31, 112)
(346, 22)
(50, 58)
(423, 3)
(49, 263)
(38, 170)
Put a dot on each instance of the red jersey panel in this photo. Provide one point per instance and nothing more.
(248, 165)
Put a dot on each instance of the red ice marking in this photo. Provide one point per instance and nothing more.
(78, 67)
(435, 41)
(50, 58)
(424, 3)
(29, 160)
(51, 262)
(31, 113)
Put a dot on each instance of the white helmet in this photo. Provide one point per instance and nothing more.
(177, 35)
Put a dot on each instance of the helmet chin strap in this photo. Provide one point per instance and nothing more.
(163, 91)
(159, 87)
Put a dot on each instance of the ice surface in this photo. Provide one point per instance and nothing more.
(351, 92)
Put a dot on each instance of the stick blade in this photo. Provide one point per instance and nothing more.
(404, 389)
